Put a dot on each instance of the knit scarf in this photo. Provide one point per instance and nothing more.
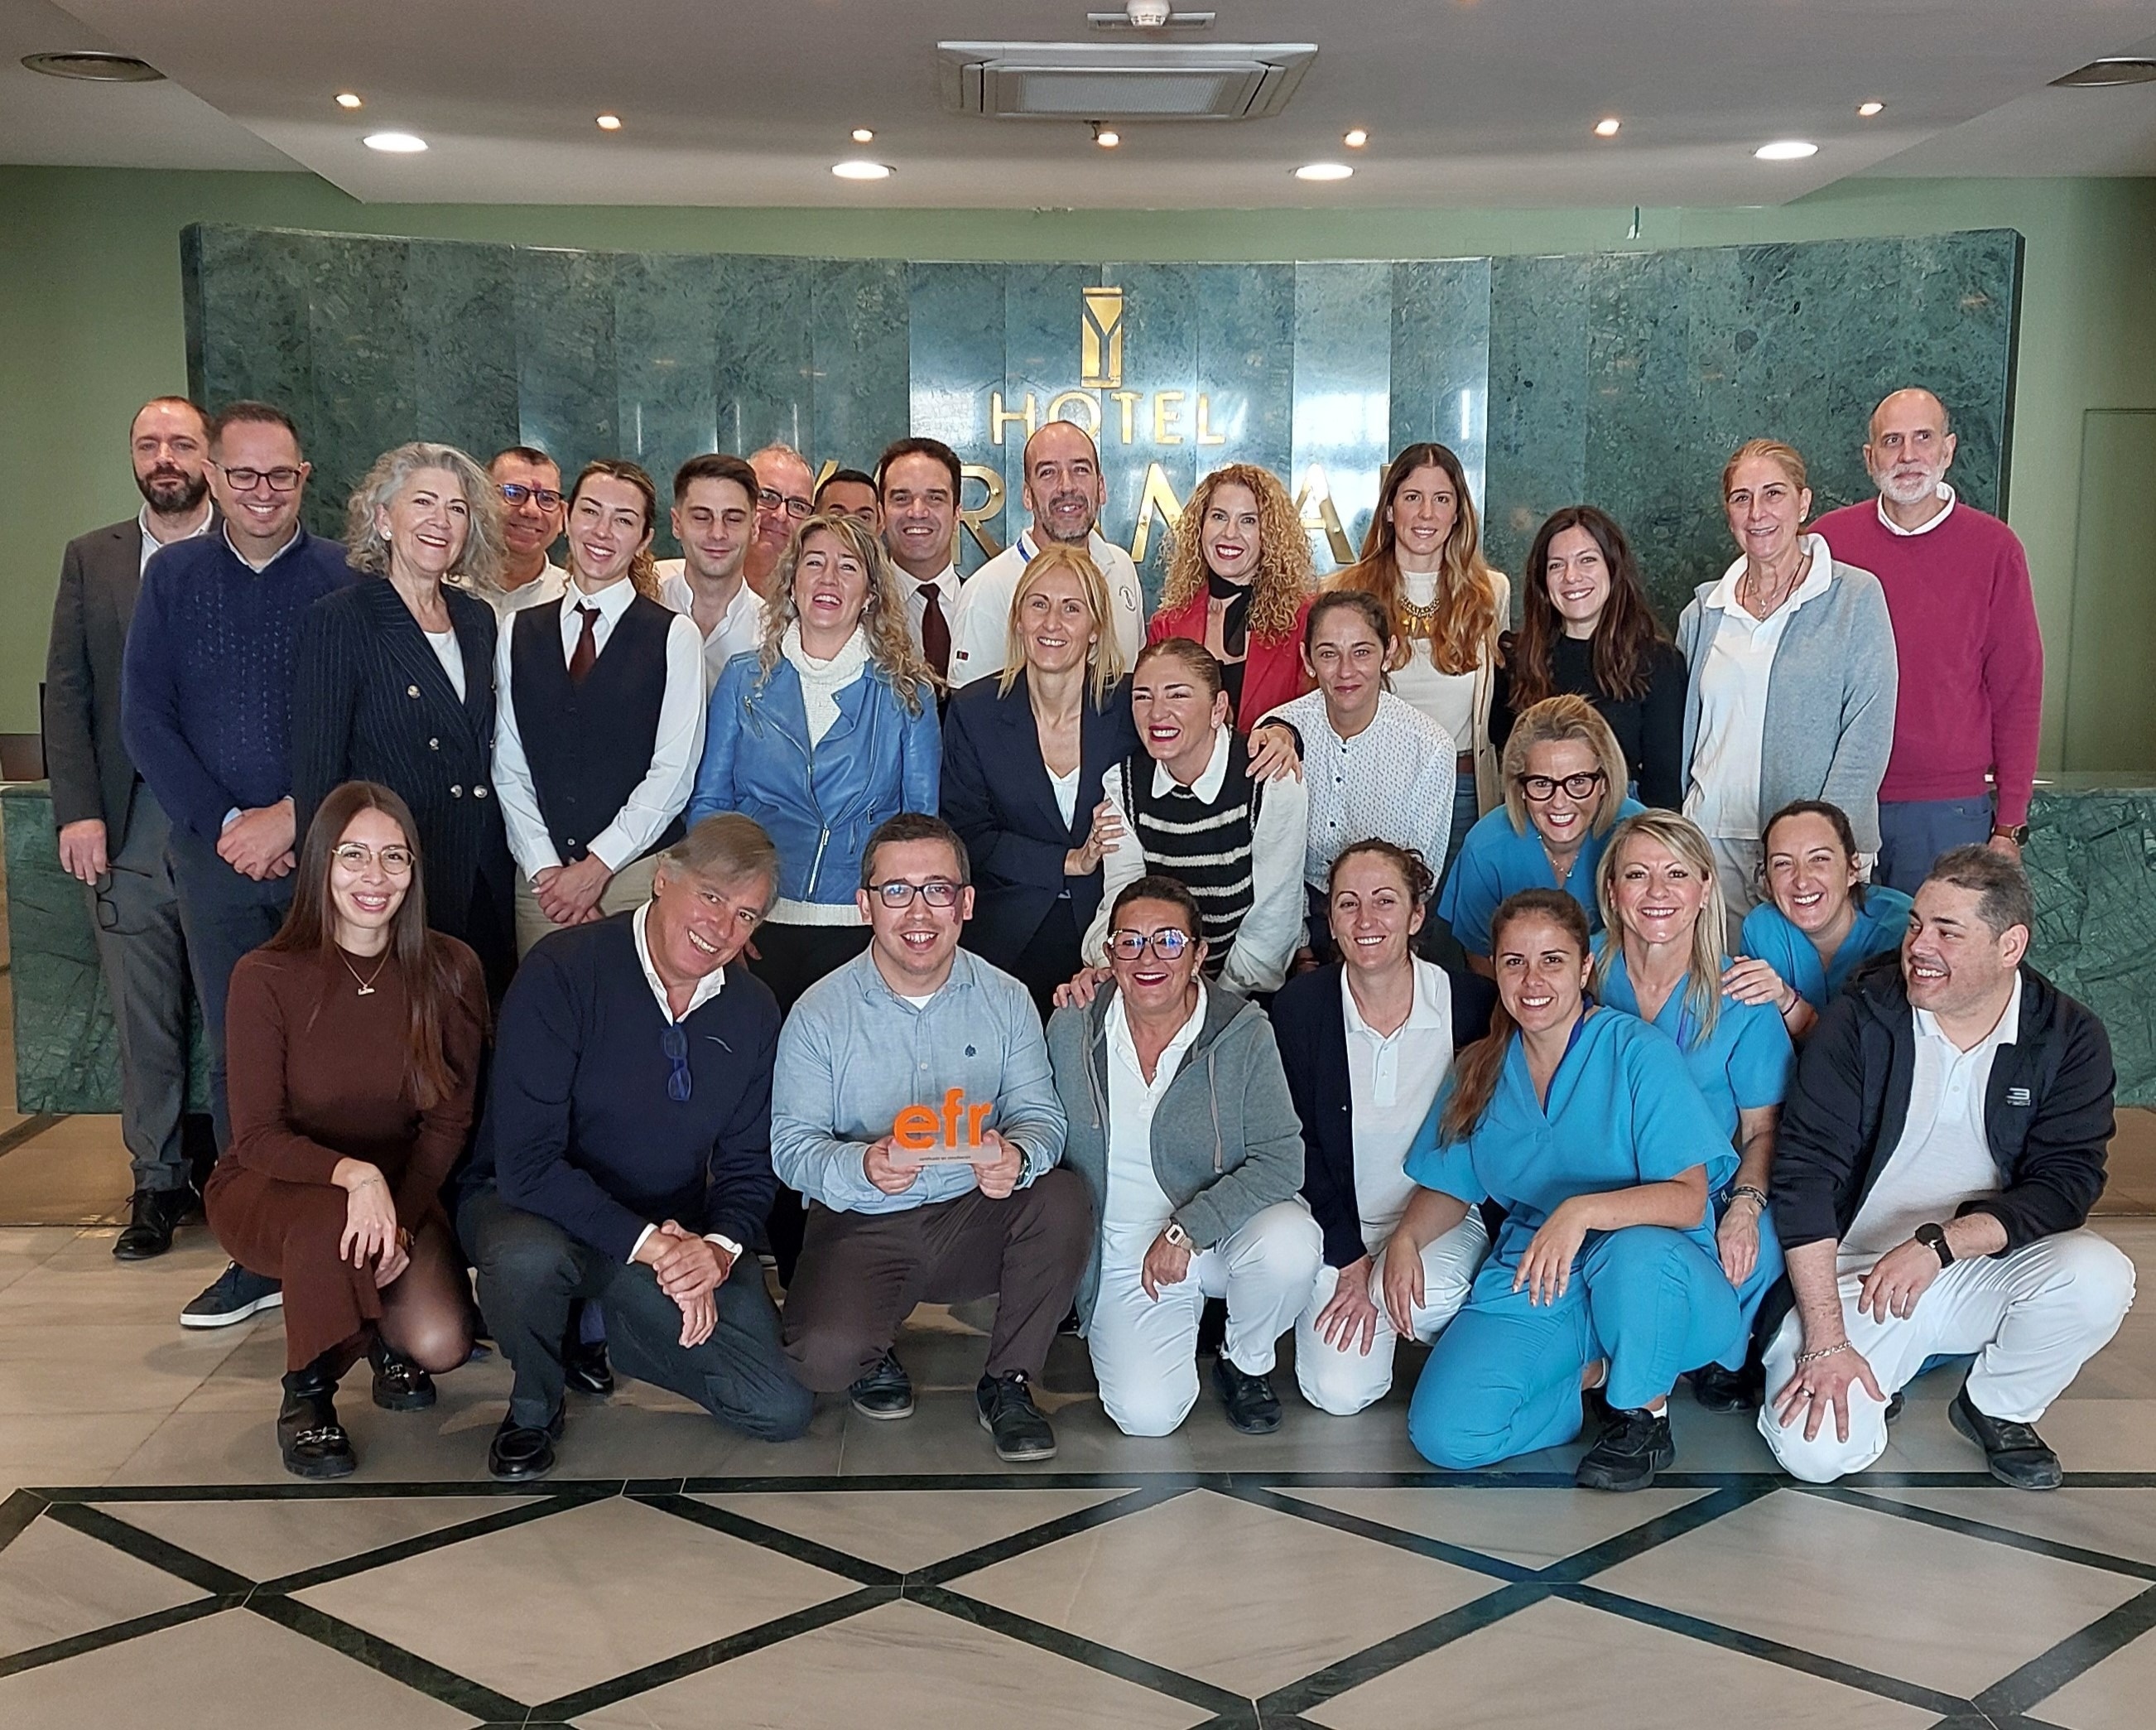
(822, 681)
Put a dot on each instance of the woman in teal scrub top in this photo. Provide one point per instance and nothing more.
(1660, 959)
(1820, 921)
(1583, 1124)
(1565, 777)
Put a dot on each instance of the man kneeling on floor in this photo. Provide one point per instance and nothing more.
(625, 1157)
(1939, 1155)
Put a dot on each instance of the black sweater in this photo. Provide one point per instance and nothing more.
(2047, 1113)
(1650, 729)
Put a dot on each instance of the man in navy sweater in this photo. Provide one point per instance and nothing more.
(625, 1155)
(205, 715)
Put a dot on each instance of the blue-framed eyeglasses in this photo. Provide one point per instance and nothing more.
(675, 1044)
(1168, 944)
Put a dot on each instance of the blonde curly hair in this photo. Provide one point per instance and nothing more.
(479, 563)
(883, 613)
(1286, 573)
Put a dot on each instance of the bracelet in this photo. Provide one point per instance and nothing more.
(1751, 1192)
(1807, 1357)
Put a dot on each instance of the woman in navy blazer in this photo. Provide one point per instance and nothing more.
(1023, 759)
(393, 682)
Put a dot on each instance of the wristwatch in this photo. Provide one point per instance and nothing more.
(725, 1243)
(1176, 1235)
(1935, 1239)
(2017, 832)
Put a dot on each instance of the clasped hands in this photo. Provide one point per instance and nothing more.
(689, 1270)
(258, 844)
(998, 1166)
(569, 894)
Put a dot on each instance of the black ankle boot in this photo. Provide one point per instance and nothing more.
(313, 1444)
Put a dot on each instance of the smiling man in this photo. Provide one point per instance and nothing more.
(1938, 1160)
(532, 513)
(714, 505)
(625, 1158)
(917, 481)
(785, 499)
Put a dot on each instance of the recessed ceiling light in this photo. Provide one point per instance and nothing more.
(859, 168)
(1323, 171)
(1355, 138)
(1107, 138)
(1868, 109)
(1607, 127)
(862, 134)
(349, 98)
(1786, 150)
(609, 123)
(395, 144)
(92, 66)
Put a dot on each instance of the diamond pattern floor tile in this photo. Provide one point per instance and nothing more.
(906, 1529)
(1534, 1528)
(55, 1583)
(2112, 1523)
(2114, 1694)
(267, 1540)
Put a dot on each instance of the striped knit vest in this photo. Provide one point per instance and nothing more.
(1206, 847)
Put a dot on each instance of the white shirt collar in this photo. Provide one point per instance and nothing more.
(202, 528)
(1210, 779)
(1423, 1015)
(2008, 1032)
(612, 600)
(678, 591)
(1925, 527)
(1123, 1046)
(945, 583)
(1817, 581)
(267, 562)
(708, 988)
(1029, 548)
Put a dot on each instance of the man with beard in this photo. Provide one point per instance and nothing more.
(112, 832)
(1064, 492)
(785, 499)
(1972, 688)
(715, 518)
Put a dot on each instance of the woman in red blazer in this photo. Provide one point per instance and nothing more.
(1239, 581)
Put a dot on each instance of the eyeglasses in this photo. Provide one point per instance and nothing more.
(1543, 788)
(675, 1044)
(770, 498)
(937, 891)
(357, 856)
(1168, 944)
(515, 493)
(245, 480)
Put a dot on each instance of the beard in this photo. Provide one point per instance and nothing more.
(170, 492)
(1911, 490)
(1049, 532)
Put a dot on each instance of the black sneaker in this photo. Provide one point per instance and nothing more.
(1634, 1446)
(1726, 1390)
(2016, 1455)
(520, 1453)
(1252, 1406)
(886, 1392)
(400, 1385)
(152, 1216)
(234, 1295)
(1008, 1413)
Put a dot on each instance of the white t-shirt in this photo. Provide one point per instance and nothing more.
(1447, 698)
(980, 634)
(1391, 1083)
(1136, 1206)
(1065, 788)
(452, 658)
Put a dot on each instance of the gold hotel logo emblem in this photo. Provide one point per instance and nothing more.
(1101, 338)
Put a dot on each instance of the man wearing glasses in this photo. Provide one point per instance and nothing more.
(625, 1158)
(914, 1109)
(531, 518)
(205, 715)
(1186, 1136)
(785, 499)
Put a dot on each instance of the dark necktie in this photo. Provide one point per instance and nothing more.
(587, 645)
(935, 631)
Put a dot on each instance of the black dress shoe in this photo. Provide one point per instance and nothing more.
(1008, 1413)
(400, 1385)
(1634, 1446)
(886, 1392)
(2016, 1455)
(1726, 1390)
(586, 1369)
(313, 1444)
(520, 1453)
(1253, 1408)
(152, 1215)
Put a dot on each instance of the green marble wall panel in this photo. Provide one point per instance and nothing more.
(762, 361)
(365, 394)
(666, 320)
(2091, 859)
(857, 322)
(1440, 359)
(951, 372)
(459, 303)
(1343, 387)
(568, 370)
(1247, 362)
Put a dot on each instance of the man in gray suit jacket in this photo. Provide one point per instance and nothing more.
(111, 832)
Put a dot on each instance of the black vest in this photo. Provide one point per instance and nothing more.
(587, 746)
(1206, 847)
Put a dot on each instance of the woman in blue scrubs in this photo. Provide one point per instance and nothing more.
(1564, 791)
(1583, 1124)
(1660, 959)
(1821, 921)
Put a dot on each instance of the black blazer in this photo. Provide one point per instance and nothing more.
(370, 702)
(1311, 1028)
(996, 793)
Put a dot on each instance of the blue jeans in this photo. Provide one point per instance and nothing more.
(1913, 833)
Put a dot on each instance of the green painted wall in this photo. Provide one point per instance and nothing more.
(90, 307)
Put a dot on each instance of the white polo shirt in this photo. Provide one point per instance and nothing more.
(980, 634)
(1392, 1081)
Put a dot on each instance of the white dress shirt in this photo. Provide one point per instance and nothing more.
(1391, 1080)
(1135, 1205)
(980, 631)
(151, 545)
(948, 592)
(550, 584)
(1392, 781)
(663, 792)
(704, 991)
(1941, 491)
(739, 629)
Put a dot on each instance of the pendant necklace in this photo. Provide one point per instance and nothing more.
(365, 985)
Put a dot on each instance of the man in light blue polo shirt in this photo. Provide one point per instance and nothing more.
(914, 1109)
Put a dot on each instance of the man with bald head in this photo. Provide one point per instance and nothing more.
(1064, 490)
(786, 496)
(1972, 660)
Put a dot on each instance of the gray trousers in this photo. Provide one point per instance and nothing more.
(135, 916)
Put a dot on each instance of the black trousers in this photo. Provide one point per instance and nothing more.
(224, 915)
(1051, 958)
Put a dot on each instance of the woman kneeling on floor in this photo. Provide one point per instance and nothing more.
(1584, 1126)
(355, 1036)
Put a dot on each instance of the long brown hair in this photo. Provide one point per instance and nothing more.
(1465, 628)
(1475, 1070)
(426, 962)
(642, 568)
(1625, 636)
(1285, 573)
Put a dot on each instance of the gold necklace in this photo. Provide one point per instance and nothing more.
(365, 985)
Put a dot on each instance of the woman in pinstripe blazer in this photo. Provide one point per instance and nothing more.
(395, 683)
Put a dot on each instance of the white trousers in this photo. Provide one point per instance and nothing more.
(1344, 1381)
(1737, 864)
(1145, 1350)
(2033, 1318)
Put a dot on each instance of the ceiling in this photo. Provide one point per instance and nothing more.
(1469, 102)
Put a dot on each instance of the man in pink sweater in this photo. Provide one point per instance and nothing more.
(1972, 662)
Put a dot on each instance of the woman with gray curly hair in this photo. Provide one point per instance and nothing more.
(392, 682)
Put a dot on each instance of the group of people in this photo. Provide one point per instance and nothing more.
(1600, 1009)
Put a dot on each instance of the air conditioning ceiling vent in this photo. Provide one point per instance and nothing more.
(1085, 80)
